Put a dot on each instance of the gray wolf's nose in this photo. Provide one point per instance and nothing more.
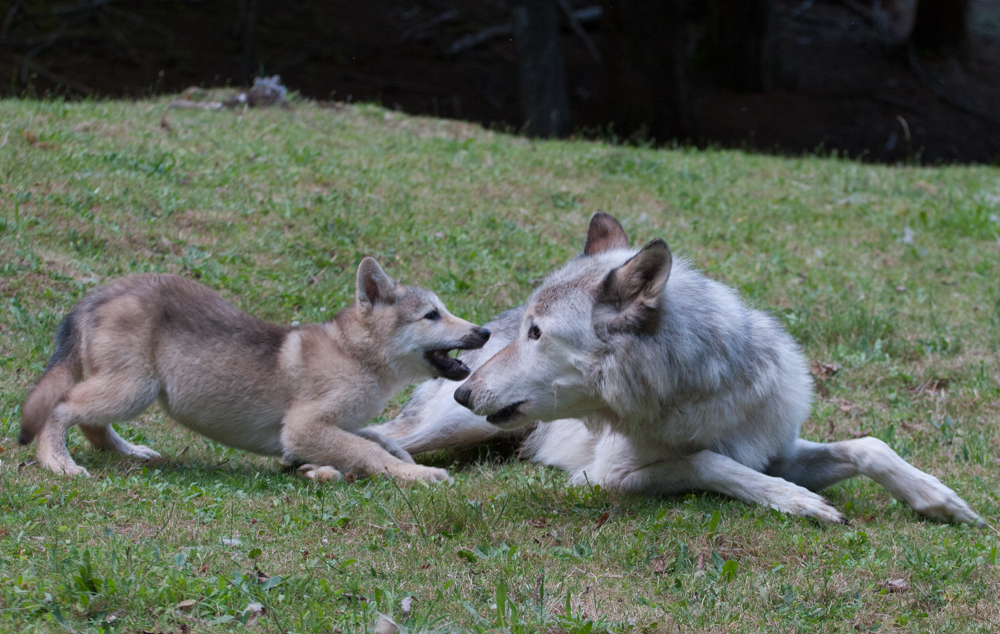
(464, 394)
(484, 333)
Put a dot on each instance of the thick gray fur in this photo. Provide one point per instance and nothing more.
(659, 389)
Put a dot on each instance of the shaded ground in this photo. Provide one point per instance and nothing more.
(836, 87)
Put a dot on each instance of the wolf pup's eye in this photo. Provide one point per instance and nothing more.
(534, 332)
(433, 315)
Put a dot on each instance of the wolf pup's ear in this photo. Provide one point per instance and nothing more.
(373, 285)
(605, 233)
(629, 298)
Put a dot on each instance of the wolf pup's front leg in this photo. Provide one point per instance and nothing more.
(309, 435)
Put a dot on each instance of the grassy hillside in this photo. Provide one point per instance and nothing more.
(886, 275)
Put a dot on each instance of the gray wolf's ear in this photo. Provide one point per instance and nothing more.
(629, 298)
(373, 285)
(605, 233)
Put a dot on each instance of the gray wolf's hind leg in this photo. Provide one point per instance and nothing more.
(819, 465)
(386, 443)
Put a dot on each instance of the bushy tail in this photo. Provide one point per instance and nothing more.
(61, 374)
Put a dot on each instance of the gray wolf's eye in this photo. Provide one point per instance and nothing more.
(534, 332)
(434, 315)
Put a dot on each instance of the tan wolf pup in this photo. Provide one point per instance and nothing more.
(298, 393)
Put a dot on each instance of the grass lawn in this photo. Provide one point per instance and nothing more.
(888, 276)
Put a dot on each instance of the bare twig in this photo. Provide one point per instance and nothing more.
(417, 29)
(51, 39)
(802, 8)
(119, 37)
(60, 80)
(860, 9)
(475, 39)
(295, 61)
(900, 104)
(81, 8)
(941, 90)
(142, 21)
(586, 14)
(579, 30)
(9, 20)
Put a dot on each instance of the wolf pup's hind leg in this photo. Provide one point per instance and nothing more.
(97, 402)
(819, 465)
(105, 437)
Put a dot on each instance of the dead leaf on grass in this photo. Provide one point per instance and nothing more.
(893, 586)
(186, 604)
(931, 386)
(537, 522)
(254, 610)
(823, 371)
(659, 565)
(602, 519)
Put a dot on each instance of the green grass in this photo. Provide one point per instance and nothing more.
(274, 209)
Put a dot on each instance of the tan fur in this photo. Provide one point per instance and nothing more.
(299, 393)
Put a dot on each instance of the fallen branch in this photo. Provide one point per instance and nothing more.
(941, 90)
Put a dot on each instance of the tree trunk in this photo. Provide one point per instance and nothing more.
(941, 24)
(537, 39)
(644, 84)
(743, 43)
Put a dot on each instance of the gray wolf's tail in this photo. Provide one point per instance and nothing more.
(61, 374)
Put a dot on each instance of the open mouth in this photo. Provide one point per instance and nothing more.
(451, 369)
(506, 414)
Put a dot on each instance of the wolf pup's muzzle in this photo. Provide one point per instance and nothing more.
(454, 369)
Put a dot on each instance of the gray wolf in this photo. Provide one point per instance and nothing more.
(299, 393)
(629, 369)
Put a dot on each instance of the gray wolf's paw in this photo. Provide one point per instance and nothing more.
(321, 473)
(413, 472)
(805, 503)
(142, 452)
(934, 500)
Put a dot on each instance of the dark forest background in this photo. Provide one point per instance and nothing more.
(885, 80)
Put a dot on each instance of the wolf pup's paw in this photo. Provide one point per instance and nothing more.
(413, 472)
(321, 473)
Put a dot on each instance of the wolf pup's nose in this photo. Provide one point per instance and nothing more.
(484, 334)
(464, 393)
